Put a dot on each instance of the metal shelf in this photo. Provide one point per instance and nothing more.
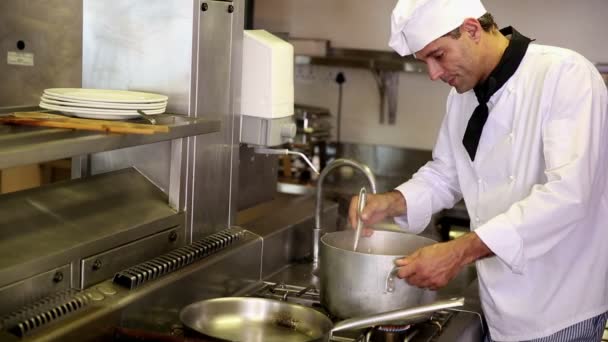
(364, 59)
(21, 145)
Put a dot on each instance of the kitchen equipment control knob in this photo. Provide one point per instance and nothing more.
(58, 277)
(288, 130)
(94, 295)
(96, 265)
(106, 290)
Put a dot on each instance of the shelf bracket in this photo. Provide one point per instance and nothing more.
(388, 91)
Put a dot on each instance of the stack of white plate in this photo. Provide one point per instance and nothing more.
(102, 103)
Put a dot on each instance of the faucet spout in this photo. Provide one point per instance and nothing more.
(319, 198)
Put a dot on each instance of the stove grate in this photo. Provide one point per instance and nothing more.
(309, 296)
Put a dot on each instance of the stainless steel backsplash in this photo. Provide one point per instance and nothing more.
(393, 164)
(52, 32)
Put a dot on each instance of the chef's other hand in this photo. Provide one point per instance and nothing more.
(432, 267)
(377, 208)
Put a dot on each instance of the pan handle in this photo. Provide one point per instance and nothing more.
(390, 280)
(391, 316)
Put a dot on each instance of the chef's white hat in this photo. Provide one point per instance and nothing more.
(415, 23)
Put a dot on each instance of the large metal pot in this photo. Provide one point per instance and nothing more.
(364, 282)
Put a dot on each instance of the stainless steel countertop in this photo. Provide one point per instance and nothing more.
(274, 251)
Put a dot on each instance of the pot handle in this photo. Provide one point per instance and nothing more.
(391, 316)
(390, 280)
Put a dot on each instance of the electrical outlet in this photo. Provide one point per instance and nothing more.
(327, 74)
(303, 73)
(315, 73)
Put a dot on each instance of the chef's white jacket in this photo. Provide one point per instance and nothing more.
(536, 193)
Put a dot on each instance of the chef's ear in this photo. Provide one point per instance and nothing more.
(472, 28)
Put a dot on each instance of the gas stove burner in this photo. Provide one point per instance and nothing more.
(415, 329)
(393, 328)
(392, 333)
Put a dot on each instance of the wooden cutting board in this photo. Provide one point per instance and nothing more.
(60, 121)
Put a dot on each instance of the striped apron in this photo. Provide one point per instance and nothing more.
(590, 330)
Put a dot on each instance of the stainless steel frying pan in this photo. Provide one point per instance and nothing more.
(249, 319)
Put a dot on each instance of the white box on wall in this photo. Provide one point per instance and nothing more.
(267, 100)
(267, 86)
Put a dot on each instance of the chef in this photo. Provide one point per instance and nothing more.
(524, 142)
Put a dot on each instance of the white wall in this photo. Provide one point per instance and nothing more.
(364, 24)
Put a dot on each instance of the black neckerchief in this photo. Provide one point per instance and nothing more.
(510, 60)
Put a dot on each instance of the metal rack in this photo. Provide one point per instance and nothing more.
(384, 65)
(364, 59)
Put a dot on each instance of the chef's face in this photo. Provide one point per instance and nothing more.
(453, 60)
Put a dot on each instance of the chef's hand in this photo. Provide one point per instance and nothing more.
(377, 208)
(433, 266)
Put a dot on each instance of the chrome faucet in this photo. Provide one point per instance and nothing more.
(319, 203)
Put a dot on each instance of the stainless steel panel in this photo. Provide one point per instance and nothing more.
(102, 266)
(387, 161)
(238, 23)
(194, 56)
(157, 169)
(26, 145)
(257, 177)
(218, 38)
(52, 32)
(137, 45)
(64, 222)
(177, 176)
(26, 291)
(286, 225)
(266, 132)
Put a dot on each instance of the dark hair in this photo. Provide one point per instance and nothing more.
(487, 24)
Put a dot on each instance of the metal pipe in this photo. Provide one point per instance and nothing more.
(340, 79)
(264, 150)
(319, 198)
